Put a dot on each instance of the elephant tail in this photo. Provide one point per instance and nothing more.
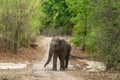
(49, 58)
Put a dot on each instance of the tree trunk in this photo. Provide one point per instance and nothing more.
(84, 36)
(16, 40)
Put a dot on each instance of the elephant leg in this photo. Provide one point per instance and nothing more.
(54, 62)
(62, 63)
(67, 60)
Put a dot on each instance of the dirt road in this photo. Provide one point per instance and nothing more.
(36, 70)
(42, 73)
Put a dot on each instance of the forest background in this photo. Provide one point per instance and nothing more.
(94, 25)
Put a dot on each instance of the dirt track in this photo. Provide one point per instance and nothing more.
(36, 71)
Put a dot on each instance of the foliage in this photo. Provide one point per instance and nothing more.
(17, 22)
(56, 16)
(82, 10)
(108, 32)
(97, 26)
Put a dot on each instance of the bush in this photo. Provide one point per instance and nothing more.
(108, 34)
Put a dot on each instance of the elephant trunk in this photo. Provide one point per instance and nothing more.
(49, 58)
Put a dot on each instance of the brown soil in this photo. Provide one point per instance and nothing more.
(24, 54)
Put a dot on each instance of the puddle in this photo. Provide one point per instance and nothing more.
(13, 65)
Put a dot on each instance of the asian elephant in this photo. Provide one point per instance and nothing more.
(59, 48)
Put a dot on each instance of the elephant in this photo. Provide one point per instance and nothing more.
(59, 48)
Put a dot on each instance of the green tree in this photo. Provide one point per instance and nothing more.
(17, 21)
(57, 16)
(107, 19)
(82, 10)
(97, 26)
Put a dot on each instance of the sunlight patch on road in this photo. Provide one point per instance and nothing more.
(13, 65)
(94, 66)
